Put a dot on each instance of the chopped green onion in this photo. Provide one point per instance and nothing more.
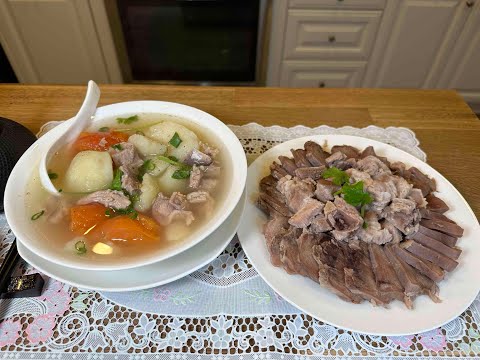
(117, 180)
(37, 215)
(127, 120)
(171, 157)
(108, 213)
(60, 190)
(134, 215)
(117, 147)
(148, 165)
(365, 225)
(104, 129)
(181, 174)
(175, 141)
(52, 175)
(80, 247)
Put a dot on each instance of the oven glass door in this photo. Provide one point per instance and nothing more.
(191, 40)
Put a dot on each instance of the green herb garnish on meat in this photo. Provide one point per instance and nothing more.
(337, 176)
(355, 195)
(175, 141)
(52, 175)
(117, 180)
(104, 129)
(37, 215)
(80, 247)
(127, 120)
(148, 165)
(181, 174)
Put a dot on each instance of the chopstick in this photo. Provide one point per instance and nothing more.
(8, 265)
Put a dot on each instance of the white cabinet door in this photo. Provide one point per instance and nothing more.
(422, 36)
(332, 74)
(337, 4)
(330, 34)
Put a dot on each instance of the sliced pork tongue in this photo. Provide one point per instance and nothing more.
(349, 151)
(425, 267)
(288, 165)
(359, 276)
(273, 231)
(443, 226)
(315, 154)
(306, 242)
(270, 205)
(300, 159)
(290, 253)
(420, 180)
(425, 240)
(437, 235)
(312, 172)
(385, 276)
(331, 260)
(277, 171)
(428, 214)
(428, 254)
(435, 204)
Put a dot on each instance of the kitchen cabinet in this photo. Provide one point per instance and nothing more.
(390, 44)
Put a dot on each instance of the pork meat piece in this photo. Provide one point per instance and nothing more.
(359, 276)
(428, 254)
(208, 150)
(335, 158)
(372, 165)
(416, 195)
(309, 210)
(437, 235)
(273, 230)
(357, 175)
(420, 180)
(288, 165)
(315, 154)
(399, 169)
(425, 267)
(372, 231)
(368, 151)
(196, 157)
(198, 197)
(320, 224)
(313, 172)
(57, 209)
(126, 155)
(178, 200)
(295, 191)
(446, 227)
(306, 242)
(343, 217)
(268, 185)
(271, 204)
(331, 261)
(404, 215)
(299, 156)
(435, 204)
(277, 171)
(452, 253)
(381, 193)
(325, 189)
(165, 213)
(349, 151)
(385, 276)
(396, 234)
(289, 252)
(196, 175)
(109, 198)
(429, 287)
(129, 180)
(208, 184)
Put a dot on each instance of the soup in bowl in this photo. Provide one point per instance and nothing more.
(144, 182)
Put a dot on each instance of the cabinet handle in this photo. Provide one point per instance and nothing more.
(321, 84)
(331, 39)
(470, 3)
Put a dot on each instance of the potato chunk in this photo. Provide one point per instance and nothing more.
(146, 146)
(89, 171)
(150, 189)
(168, 184)
(158, 166)
(164, 132)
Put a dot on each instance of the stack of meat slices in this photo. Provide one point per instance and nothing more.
(303, 240)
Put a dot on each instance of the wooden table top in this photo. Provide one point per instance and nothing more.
(448, 130)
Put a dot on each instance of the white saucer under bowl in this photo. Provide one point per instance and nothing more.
(148, 276)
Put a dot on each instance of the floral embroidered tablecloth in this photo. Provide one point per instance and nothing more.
(222, 310)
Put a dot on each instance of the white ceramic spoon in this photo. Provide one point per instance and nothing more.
(76, 125)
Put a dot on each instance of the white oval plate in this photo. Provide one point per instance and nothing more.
(457, 291)
(143, 277)
(26, 232)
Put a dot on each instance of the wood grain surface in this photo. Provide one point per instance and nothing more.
(448, 130)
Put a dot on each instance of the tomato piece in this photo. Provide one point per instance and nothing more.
(124, 229)
(84, 217)
(100, 141)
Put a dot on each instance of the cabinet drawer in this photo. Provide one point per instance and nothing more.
(337, 4)
(332, 74)
(330, 34)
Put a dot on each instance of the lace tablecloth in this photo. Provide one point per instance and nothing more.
(222, 310)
